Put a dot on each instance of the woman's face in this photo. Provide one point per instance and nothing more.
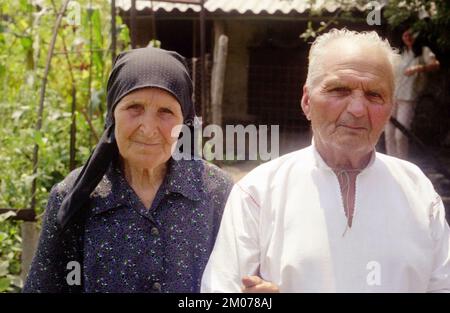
(408, 38)
(144, 120)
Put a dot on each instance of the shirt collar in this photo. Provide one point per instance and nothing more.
(183, 177)
(320, 162)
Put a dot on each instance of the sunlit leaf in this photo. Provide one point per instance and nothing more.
(4, 284)
(4, 268)
(26, 42)
(38, 138)
(5, 216)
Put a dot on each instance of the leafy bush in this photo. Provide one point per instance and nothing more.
(82, 59)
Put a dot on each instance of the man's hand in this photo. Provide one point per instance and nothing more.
(254, 284)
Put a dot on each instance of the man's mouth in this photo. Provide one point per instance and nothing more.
(352, 127)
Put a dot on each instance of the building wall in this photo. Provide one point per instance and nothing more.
(240, 33)
(279, 36)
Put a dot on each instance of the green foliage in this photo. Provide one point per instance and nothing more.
(317, 9)
(431, 18)
(25, 34)
(10, 251)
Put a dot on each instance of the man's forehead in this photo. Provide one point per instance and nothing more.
(349, 52)
(351, 58)
(377, 84)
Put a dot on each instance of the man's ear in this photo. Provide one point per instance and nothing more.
(306, 106)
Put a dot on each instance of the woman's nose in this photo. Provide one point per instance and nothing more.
(148, 123)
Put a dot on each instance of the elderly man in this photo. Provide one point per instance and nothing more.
(336, 216)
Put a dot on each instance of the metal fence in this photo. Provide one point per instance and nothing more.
(274, 94)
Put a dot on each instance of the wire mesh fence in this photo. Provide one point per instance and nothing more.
(274, 94)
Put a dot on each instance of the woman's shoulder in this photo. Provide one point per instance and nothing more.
(64, 186)
(213, 171)
(213, 179)
(59, 192)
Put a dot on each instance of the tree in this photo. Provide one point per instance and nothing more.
(430, 18)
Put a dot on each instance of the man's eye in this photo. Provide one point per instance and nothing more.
(340, 90)
(373, 94)
(375, 97)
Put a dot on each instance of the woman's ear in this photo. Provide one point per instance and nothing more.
(306, 106)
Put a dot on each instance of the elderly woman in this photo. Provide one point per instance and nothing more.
(134, 219)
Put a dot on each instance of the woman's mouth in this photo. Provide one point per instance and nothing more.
(146, 144)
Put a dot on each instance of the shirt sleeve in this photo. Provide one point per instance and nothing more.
(428, 55)
(440, 233)
(236, 252)
(49, 266)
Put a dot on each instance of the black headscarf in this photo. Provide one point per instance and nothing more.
(132, 70)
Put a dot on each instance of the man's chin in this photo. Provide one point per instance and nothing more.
(353, 146)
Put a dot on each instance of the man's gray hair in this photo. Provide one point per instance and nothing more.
(370, 38)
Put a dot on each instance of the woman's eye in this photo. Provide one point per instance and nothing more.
(134, 107)
(165, 110)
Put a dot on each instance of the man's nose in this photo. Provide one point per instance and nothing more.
(357, 105)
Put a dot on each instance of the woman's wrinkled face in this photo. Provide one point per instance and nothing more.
(144, 120)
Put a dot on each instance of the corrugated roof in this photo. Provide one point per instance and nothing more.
(239, 6)
(157, 6)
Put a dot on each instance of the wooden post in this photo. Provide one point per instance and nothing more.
(204, 111)
(218, 72)
(113, 31)
(133, 24)
(73, 130)
(30, 237)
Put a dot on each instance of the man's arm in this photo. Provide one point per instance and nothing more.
(236, 253)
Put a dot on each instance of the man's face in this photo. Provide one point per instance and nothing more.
(351, 101)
